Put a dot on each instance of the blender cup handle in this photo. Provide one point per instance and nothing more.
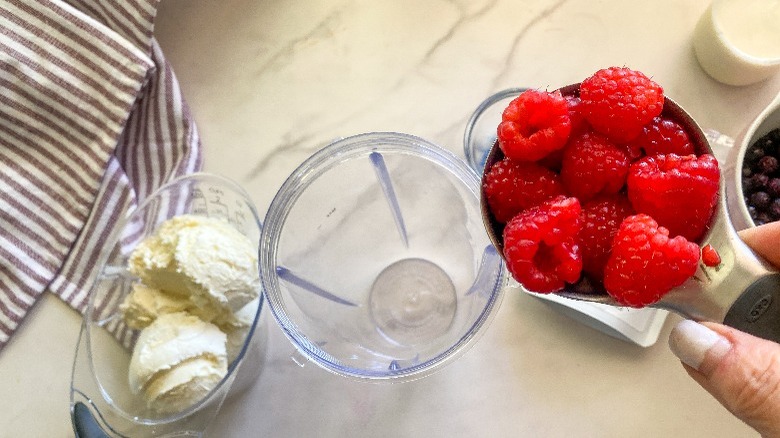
(84, 423)
(757, 310)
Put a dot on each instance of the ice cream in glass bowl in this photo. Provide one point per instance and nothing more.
(172, 324)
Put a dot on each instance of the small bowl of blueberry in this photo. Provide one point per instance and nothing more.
(757, 169)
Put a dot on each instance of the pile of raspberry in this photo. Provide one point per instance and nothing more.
(601, 190)
(761, 178)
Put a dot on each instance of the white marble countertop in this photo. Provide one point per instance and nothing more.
(270, 82)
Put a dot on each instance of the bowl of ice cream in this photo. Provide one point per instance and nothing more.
(754, 171)
(172, 324)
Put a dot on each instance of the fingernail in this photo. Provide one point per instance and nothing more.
(696, 345)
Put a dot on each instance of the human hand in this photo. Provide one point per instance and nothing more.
(741, 371)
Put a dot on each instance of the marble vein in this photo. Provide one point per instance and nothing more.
(302, 141)
(462, 20)
(295, 141)
(508, 64)
(288, 145)
(321, 29)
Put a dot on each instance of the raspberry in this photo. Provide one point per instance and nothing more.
(710, 256)
(512, 187)
(601, 219)
(679, 192)
(540, 245)
(592, 164)
(578, 122)
(632, 150)
(645, 263)
(534, 124)
(664, 136)
(553, 160)
(619, 101)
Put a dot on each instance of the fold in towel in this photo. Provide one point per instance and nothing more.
(92, 120)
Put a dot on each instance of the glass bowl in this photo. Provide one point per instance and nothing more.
(101, 399)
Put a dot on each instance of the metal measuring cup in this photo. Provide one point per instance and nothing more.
(743, 291)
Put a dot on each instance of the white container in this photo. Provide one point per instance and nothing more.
(737, 42)
(768, 120)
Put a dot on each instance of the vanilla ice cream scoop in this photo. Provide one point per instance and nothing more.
(184, 385)
(144, 304)
(203, 259)
(176, 361)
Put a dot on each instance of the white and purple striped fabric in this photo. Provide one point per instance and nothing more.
(92, 120)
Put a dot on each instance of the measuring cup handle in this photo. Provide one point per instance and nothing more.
(757, 310)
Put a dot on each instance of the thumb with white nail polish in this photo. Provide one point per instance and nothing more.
(740, 370)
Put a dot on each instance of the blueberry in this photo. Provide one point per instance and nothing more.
(747, 185)
(754, 154)
(762, 219)
(761, 178)
(769, 146)
(774, 135)
(759, 181)
(760, 200)
(768, 164)
(773, 187)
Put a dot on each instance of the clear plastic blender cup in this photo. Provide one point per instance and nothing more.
(374, 260)
(101, 401)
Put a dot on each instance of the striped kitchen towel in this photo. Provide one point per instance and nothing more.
(92, 120)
